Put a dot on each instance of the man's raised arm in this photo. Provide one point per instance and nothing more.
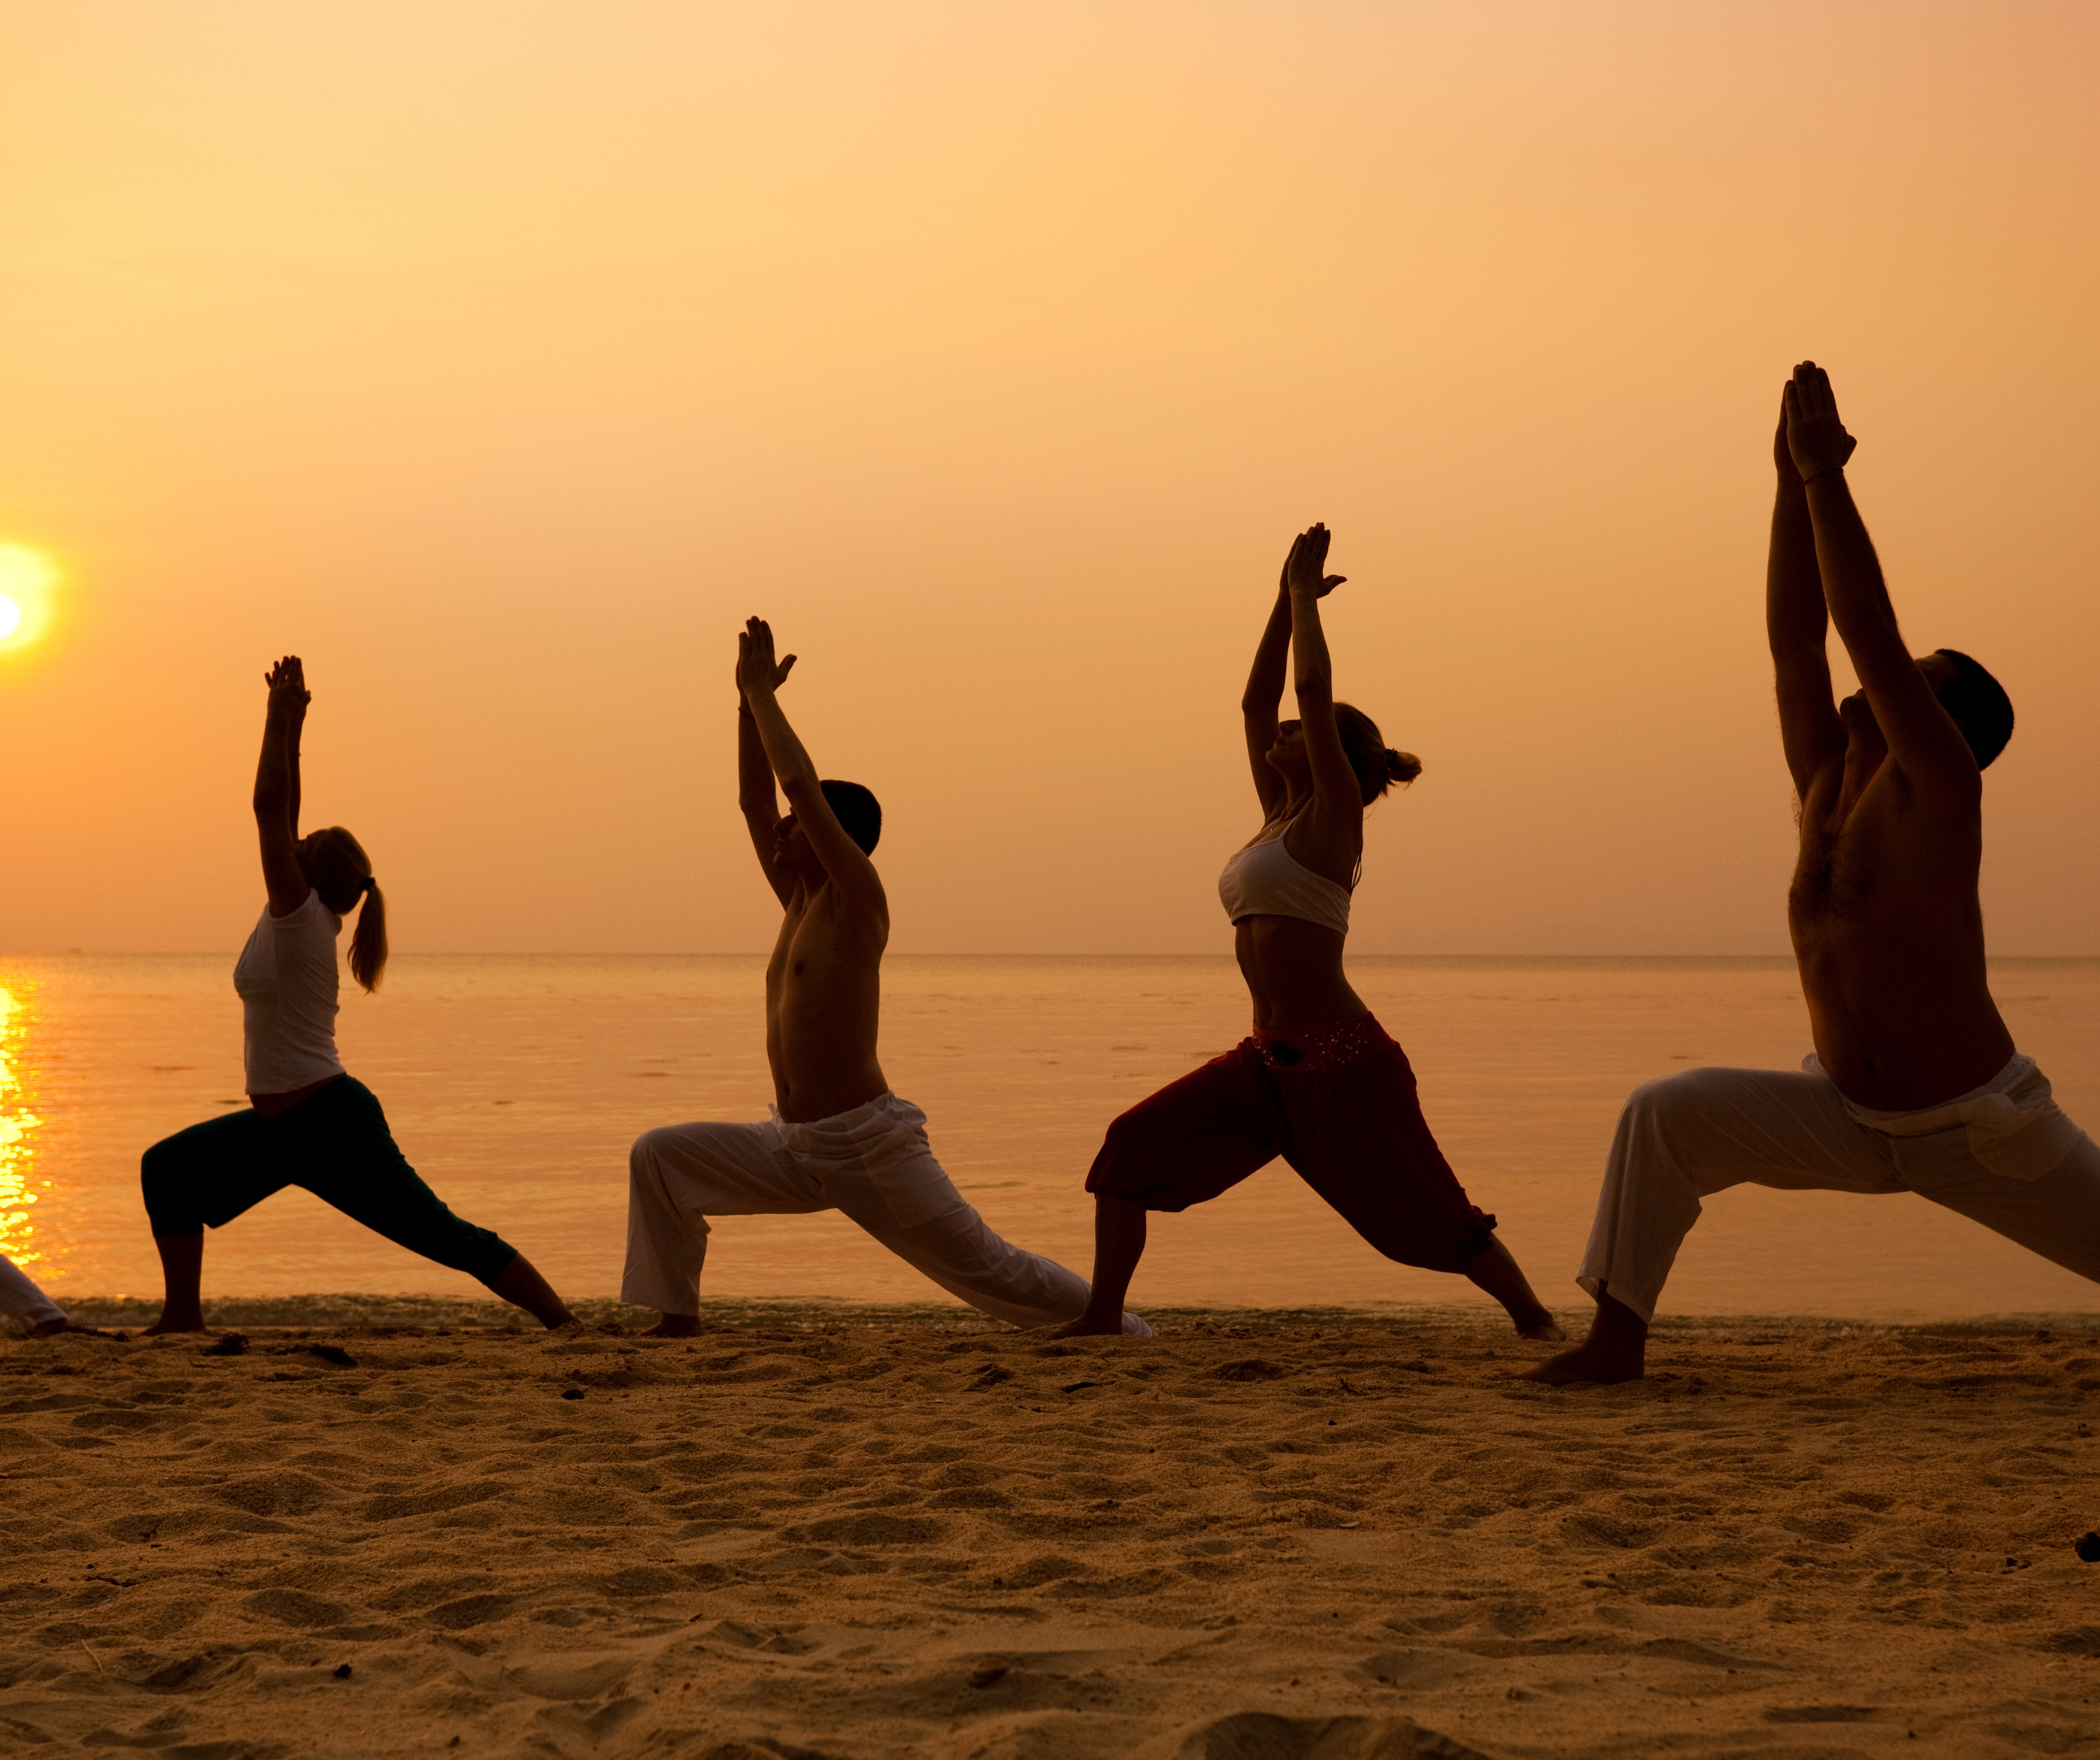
(1922, 737)
(846, 866)
(1797, 625)
(755, 799)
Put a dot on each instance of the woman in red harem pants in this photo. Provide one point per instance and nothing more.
(1318, 1082)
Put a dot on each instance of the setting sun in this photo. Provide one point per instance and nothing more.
(27, 577)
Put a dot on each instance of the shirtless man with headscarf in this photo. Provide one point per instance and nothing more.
(838, 1139)
(1916, 1085)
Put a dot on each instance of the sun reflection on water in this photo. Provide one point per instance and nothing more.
(18, 1127)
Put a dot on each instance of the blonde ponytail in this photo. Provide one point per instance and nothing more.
(341, 873)
(368, 941)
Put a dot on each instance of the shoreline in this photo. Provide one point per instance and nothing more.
(381, 1313)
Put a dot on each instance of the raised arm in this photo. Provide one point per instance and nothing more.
(754, 797)
(1797, 625)
(846, 866)
(1922, 737)
(1264, 691)
(1337, 797)
(277, 786)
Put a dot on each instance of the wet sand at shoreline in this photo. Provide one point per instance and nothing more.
(861, 1533)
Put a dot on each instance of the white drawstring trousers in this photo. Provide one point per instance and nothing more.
(2003, 1155)
(873, 1164)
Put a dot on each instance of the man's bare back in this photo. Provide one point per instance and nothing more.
(824, 983)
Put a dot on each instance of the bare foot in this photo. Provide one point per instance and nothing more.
(1493, 1270)
(1592, 1360)
(675, 1325)
(1088, 1326)
(164, 1325)
(520, 1285)
(1616, 1349)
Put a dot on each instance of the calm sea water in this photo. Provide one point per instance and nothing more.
(516, 1083)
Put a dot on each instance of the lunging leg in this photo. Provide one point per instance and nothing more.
(1118, 1244)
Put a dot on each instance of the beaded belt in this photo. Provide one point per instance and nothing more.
(1334, 1046)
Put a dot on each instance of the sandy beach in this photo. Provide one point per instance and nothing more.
(865, 1534)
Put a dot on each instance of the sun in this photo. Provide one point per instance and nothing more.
(27, 579)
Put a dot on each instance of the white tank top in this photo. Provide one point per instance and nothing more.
(1265, 880)
(286, 976)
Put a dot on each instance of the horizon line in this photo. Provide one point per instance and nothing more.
(230, 952)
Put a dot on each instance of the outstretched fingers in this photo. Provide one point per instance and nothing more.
(289, 675)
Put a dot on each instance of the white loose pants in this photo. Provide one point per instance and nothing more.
(2006, 1156)
(873, 1164)
(21, 1300)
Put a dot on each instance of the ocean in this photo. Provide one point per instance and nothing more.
(516, 1083)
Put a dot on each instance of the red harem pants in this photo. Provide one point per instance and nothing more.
(1339, 1104)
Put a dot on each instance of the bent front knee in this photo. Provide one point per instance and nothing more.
(1688, 1093)
(644, 1160)
(167, 1188)
(1129, 1142)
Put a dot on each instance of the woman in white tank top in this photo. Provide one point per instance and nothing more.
(307, 1123)
(1317, 1082)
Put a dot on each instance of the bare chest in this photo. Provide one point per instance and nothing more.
(802, 951)
(1836, 877)
(1891, 877)
(1848, 826)
(1841, 873)
(817, 952)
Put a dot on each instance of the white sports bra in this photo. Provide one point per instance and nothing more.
(1265, 880)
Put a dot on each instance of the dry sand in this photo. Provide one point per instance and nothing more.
(843, 1535)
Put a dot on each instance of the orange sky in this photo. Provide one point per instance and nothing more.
(500, 358)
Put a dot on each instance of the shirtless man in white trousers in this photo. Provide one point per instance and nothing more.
(1915, 1085)
(839, 1139)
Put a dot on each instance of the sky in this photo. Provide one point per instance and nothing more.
(499, 358)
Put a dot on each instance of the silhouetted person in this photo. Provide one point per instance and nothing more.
(839, 1139)
(1915, 1085)
(1318, 1082)
(307, 1124)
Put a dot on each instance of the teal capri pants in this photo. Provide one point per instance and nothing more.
(335, 1144)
